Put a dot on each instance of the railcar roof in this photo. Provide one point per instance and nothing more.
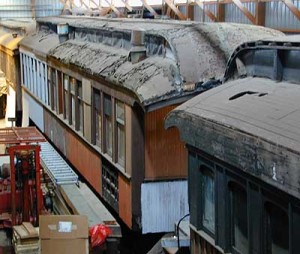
(258, 106)
(199, 53)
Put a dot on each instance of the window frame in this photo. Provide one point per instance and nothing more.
(206, 168)
(243, 186)
(120, 124)
(97, 106)
(108, 119)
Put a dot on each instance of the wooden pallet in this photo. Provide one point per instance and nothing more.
(25, 239)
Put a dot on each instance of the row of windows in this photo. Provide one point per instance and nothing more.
(226, 207)
(109, 122)
(34, 76)
(64, 94)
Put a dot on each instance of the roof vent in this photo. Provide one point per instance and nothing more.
(63, 32)
(138, 51)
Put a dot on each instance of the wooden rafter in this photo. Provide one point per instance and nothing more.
(207, 12)
(129, 8)
(244, 10)
(149, 8)
(292, 8)
(115, 10)
(66, 5)
(33, 9)
(260, 13)
(175, 9)
(84, 4)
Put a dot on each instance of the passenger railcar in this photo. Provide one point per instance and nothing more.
(100, 90)
(243, 144)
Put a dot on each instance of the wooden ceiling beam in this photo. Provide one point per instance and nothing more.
(66, 6)
(33, 9)
(149, 8)
(245, 11)
(207, 12)
(175, 9)
(128, 7)
(115, 10)
(292, 8)
(260, 13)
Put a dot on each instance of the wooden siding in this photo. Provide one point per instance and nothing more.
(85, 160)
(165, 154)
(128, 142)
(55, 131)
(80, 155)
(199, 245)
(125, 200)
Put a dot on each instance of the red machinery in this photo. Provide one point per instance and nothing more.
(22, 198)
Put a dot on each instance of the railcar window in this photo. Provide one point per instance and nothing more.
(208, 199)
(80, 106)
(73, 100)
(97, 117)
(239, 218)
(108, 124)
(277, 228)
(120, 119)
(66, 97)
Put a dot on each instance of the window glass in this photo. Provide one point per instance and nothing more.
(97, 117)
(66, 96)
(239, 218)
(80, 106)
(108, 124)
(73, 104)
(120, 118)
(278, 230)
(53, 90)
(208, 216)
(48, 87)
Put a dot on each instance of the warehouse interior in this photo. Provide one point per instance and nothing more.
(149, 126)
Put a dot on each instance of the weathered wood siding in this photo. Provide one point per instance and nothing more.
(85, 160)
(267, 161)
(125, 205)
(55, 131)
(165, 154)
(199, 245)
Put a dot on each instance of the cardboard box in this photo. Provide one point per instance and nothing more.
(62, 234)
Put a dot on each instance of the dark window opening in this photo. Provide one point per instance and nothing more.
(277, 227)
(239, 218)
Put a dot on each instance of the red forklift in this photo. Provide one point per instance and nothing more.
(21, 197)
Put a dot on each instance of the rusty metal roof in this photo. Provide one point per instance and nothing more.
(18, 135)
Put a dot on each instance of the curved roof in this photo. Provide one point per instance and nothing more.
(261, 107)
(40, 43)
(197, 52)
(8, 41)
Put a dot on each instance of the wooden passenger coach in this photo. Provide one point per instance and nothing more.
(101, 91)
(243, 143)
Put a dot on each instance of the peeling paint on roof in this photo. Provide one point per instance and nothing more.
(40, 43)
(199, 53)
(8, 41)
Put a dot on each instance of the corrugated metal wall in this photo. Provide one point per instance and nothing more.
(279, 16)
(234, 14)
(163, 204)
(21, 9)
(213, 9)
